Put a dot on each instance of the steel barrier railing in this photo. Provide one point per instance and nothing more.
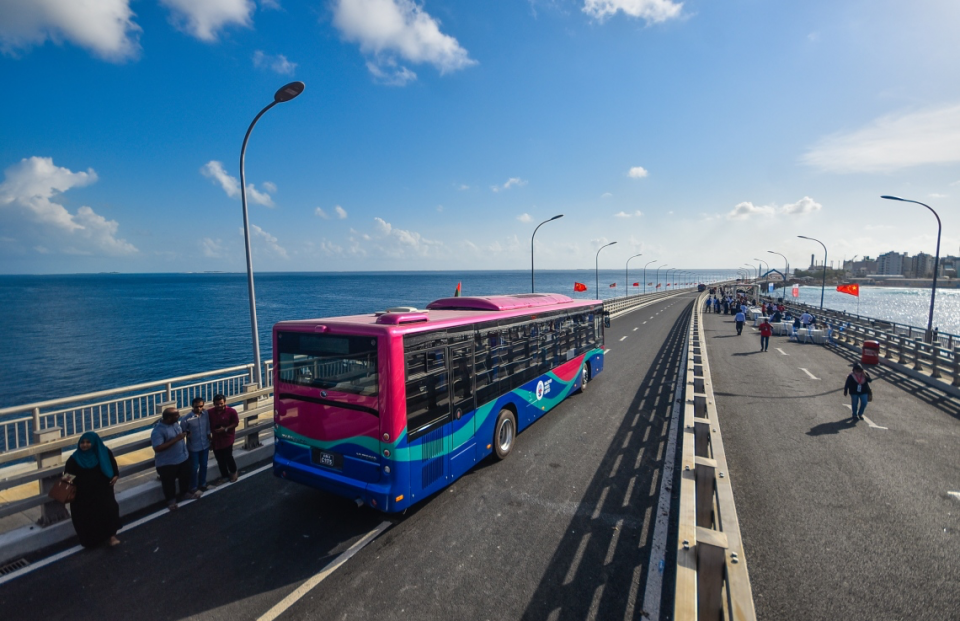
(712, 578)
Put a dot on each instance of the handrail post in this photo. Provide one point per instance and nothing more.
(917, 354)
(36, 420)
(903, 355)
(169, 394)
(253, 440)
(50, 512)
(956, 365)
(935, 360)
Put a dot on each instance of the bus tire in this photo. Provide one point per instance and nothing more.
(504, 433)
(584, 376)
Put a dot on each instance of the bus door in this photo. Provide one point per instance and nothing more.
(462, 406)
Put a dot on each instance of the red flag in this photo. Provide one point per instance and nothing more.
(649, 284)
(613, 285)
(850, 289)
(636, 284)
(456, 293)
(658, 285)
(579, 286)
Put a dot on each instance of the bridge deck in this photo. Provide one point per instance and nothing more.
(839, 520)
(562, 529)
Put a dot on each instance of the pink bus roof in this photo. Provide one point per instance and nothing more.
(443, 313)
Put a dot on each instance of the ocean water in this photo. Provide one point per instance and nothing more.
(67, 335)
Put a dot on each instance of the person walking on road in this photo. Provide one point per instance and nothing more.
(858, 386)
(739, 318)
(224, 422)
(766, 331)
(94, 510)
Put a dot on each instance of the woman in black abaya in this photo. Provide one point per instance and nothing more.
(95, 512)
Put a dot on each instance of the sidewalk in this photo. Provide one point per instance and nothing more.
(840, 520)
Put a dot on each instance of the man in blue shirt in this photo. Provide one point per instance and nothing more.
(196, 424)
(172, 460)
(740, 318)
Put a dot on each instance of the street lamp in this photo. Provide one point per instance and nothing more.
(762, 263)
(532, 287)
(787, 263)
(645, 275)
(597, 272)
(666, 277)
(658, 276)
(936, 262)
(626, 275)
(286, 93)
(823, 284)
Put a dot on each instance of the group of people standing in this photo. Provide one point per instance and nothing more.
(181, 446)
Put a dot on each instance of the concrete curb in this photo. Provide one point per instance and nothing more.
(28, 539)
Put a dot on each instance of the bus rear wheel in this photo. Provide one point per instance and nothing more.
(504, 433)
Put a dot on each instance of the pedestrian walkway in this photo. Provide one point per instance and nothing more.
(839, 519)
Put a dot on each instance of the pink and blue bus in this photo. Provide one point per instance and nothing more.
(389, 408)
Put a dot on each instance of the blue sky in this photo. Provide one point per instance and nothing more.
(438, 134)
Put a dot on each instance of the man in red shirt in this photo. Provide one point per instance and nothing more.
(766, 330)
(223, 424)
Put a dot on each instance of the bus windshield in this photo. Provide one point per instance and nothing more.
(331, 362)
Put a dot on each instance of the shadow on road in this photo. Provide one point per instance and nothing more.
(598, 570)
(831, 428)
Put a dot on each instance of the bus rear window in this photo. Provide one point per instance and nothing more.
(328, 361)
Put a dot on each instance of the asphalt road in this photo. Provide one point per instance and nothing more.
(840, 520)
(562, 529)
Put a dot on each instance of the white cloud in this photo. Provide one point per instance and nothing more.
(390, 29)
(277, 64)
(525, 217)
(203, 18)
(637, 172)
(622, 214)
(270, 4)
(463, 187)
(268, 241)
(891, 142)
(653, 11)
(212, 248)
(104, 27)
(29, 188)
(396, 242)
(341, 212)
(439, 208)
(804, 205)
(321, 213)
(744, 210)
(512, 181)
(606, 195)
(935, 195)
(214, 170)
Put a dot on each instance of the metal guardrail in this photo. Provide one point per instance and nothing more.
(937, 361)
(48, 452)
(617, 306)
(19, 425)
(712, 578)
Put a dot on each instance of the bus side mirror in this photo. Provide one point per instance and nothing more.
(606, 321)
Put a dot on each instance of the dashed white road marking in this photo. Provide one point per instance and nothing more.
(812, 376)
(635, 329)
(869, 422)
(606, 351)
(954, 494)
(645, 323)
(781, 351)
(650, 318)
(307, 586)
(623, 338)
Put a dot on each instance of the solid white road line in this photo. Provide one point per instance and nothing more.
(781, 351)
(954, 494)
(623, 338)
(812, 376)
(70, 552)
(307, 586)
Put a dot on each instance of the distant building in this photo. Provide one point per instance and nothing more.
(890, 264)
(862, 268)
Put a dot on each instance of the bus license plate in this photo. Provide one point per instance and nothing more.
(327, 458)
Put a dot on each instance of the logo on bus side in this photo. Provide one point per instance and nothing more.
(543, 388)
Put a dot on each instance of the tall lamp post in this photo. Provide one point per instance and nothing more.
(762, 263)
(936, 262)
(823, 283)
(533, 288)
(597, 272)
(787, 264)
(286, 93)
(667, 277)
(645, 274)
(658, 276)
(626, 275)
